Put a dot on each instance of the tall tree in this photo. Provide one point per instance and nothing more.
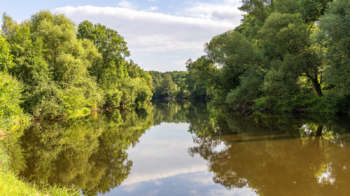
(335, 38)
(112, 47)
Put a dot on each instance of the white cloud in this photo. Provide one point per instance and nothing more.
(126, 4)
(131, 188)
(153, 8)
(151, 34)
(225, 11)
(235, 192)
(203, 178)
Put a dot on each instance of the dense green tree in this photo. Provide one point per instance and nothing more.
(112, 47)
(66, 70)
(285, 54)
(167, 84)
(10, 100)
(335, 38)
(52, 64)
(5, 57)
(10, 90)
(287, 46)
(234, 55)
(178, 84)
(129, 82)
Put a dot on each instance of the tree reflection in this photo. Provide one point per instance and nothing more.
(89, 154)
(179, 111)
(276, 155)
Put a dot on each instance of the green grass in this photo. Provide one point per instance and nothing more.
(11, 185)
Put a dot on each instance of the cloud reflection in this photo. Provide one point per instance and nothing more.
(162, 166)
(163, 153)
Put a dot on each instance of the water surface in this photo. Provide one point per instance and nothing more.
(187, 148)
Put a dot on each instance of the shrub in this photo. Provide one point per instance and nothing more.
(10, 100)
(113, 98)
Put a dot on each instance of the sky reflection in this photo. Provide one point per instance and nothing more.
(162, 166)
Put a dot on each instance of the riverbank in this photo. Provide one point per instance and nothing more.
(11, 185)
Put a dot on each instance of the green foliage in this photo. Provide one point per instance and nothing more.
(5, 57)
(284, 51)
(177, 84)
(131, 83)
(335, 38)
(113, 97)
(342, 104)
(134, 90)
(250, 87)
(234, 54)
(10, 100)
(11, 185)
(313, 10)
(134, 71)
(112, 47)
(53, 64)
(66, 70)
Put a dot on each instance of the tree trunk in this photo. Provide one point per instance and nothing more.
(319, 131)
(317, 86)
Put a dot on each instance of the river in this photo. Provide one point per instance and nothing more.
(187, 148)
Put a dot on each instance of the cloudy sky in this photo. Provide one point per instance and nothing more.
(161, 34)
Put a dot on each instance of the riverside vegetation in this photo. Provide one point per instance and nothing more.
(52, 69)
(287, 55)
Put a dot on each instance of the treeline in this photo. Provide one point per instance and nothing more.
(286, 55)
(178, 84)
(50, 67)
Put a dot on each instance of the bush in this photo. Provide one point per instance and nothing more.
(10, 100)
(342, 103)
(266, 102)
(134, 90)
(113, 98)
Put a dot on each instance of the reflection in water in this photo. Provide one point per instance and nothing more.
(89, 154)
(244, 154)
(277, 155)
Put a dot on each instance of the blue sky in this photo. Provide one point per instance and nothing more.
(161, 34)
